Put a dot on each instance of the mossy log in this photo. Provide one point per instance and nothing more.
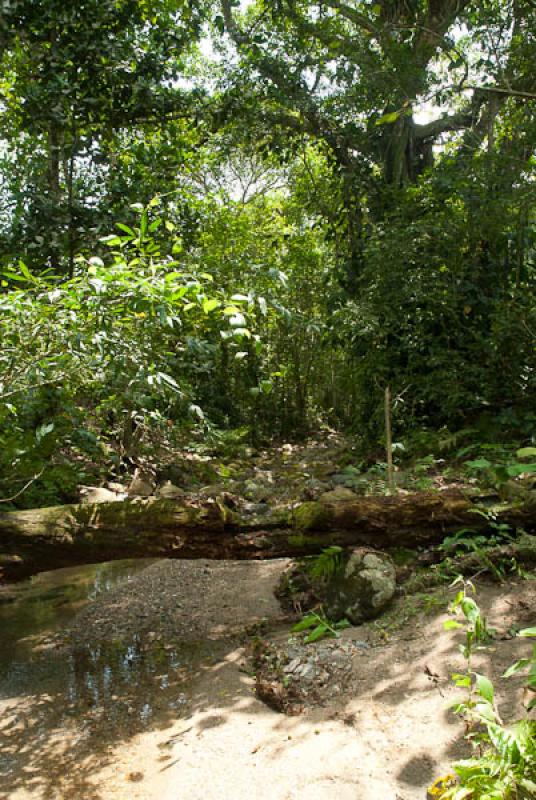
(49, 538)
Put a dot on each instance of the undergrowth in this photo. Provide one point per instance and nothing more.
(503, 766)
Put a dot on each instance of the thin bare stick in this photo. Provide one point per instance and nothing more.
(389, 441)
(18, 494)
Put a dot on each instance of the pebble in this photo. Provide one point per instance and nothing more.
(294, 664)
(307, 672)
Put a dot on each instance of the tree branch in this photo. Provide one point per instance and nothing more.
(21, 491)
(353, 15)
(448, 122)
(504, 91)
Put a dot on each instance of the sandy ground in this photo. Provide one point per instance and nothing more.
(389, 737)
(386, 737)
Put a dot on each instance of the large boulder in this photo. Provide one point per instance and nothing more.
(355, 585)
(142, 484)
(362, 587)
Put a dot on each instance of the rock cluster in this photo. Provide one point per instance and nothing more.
(291, 676)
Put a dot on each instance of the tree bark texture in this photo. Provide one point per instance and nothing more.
(50, 538)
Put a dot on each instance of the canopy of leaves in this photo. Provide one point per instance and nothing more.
(262, 216)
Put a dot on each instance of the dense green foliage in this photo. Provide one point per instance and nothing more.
(344, 200)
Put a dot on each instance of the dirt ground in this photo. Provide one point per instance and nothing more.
(386, 735)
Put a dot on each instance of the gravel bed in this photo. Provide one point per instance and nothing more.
(188, 600)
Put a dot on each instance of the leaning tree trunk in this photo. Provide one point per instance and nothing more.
(49, 538)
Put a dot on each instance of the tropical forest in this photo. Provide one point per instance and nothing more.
(267, 400)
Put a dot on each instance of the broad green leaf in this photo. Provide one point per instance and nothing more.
(320, 631)
(470, 609)
(125, 228)
(169, 380)
(237, 321)
(461, 793)
(518, 665)
(197, 411)
(484, 687)
(13, 276)
(527, 632)
(210, 304)
(526, 452)
(304, 624)
(238, 333)
(461, 680)
(44, 430)
(388, 118)
(485, 711)
(144, 222)
(479, 463)
(111, 240)
(518, 469)
(26, 272)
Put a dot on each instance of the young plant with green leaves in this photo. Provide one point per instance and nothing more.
(504, 764)
(499, 473)
(319, 626)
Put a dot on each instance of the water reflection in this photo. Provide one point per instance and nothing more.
(73, 706)
(42, 605)
(116, 683)
(64, 703)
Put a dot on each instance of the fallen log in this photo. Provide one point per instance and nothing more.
(49, 538)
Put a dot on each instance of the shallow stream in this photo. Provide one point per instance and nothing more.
(64, 705)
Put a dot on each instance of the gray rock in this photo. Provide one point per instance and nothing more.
(339, 479)
(97, 494)
(293, 665)
(363, 588)
(338, 495)
(115, 487)
(313, 488)
(306, 672)
(142, 485)
(254, 492)
(169, 491)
